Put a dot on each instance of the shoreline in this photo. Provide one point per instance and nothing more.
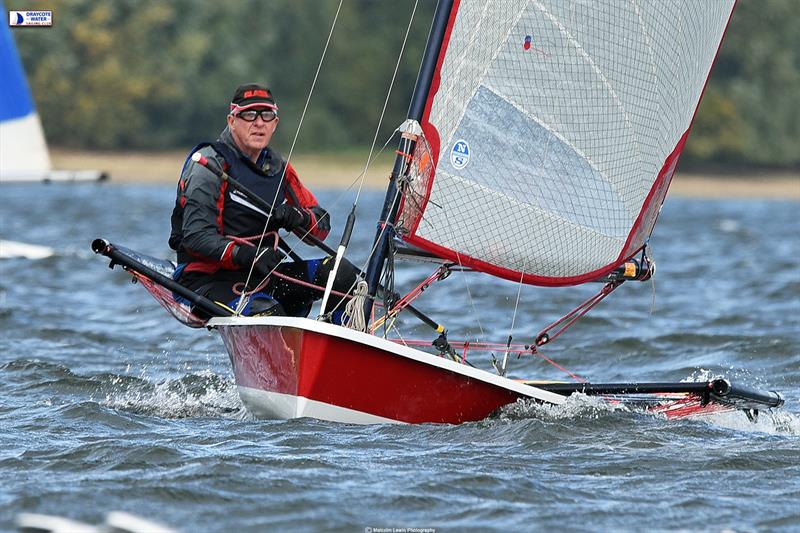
(343, 170)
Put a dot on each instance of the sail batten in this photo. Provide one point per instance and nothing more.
(553, 131)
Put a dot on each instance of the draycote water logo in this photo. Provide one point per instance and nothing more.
(459, 155)
(30, 18)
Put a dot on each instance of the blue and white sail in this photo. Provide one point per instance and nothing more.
(23, 150)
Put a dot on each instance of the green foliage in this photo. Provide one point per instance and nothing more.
(148, 74)
(750, 114)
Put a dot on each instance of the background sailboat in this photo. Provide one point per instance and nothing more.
(23, 148)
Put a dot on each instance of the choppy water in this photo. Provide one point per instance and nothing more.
(108, 404)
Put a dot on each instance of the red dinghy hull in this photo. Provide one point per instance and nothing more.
(294, 367)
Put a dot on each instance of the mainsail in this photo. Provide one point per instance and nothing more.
(552, 130)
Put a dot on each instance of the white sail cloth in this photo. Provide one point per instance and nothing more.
(555, 128)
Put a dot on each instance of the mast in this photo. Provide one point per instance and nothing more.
(416, 108)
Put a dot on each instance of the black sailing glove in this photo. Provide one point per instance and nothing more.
(263, 264)
(323, 218)
(289, 217)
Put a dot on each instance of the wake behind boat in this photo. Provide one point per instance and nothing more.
(539, 146)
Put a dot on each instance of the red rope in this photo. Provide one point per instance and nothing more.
(406, 300)
(238, 288)
(416, 291)
(573, 316)
(247, 241)
(574, 376)
(310, 285)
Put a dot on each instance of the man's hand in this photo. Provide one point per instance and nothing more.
(323, 218)
(263, 263)
(289, 217)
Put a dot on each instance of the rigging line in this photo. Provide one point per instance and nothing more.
(546, 359)
(245, 297)
(399, 335)
(653, 299)
(408, 298)
(375, 245)
(294, 142)
(310, 93)
(513, 321)
(344, 243)
(340, 198)
(386, 101)
(471, 300)
(652, 277)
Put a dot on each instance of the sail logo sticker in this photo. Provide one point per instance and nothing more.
(459, 155)
(30, 18)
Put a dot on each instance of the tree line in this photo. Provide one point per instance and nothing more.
(147, 74)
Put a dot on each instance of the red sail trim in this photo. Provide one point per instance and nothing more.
(661, 185)
(655, 198)
(429, 131)
(507, 273)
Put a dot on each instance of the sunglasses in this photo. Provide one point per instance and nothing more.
(267, 115)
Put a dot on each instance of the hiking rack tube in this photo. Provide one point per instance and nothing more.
(719, 390)
(266, 207)
(103, 247)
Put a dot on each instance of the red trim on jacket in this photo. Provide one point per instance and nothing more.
(203, 265)
(227, 258)
(210, 266)
(305, 200)
(221, 206)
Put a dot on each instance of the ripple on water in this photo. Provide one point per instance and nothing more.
(116, 406)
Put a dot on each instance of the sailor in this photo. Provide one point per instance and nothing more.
(216, 228)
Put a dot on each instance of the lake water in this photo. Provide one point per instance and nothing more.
(109, 404)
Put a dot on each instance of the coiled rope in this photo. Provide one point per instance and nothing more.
(353, 316)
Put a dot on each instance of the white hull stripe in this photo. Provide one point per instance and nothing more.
(276, 405)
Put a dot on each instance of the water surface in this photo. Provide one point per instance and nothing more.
(109, 404)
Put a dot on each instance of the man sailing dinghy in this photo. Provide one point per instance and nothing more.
(539, 146)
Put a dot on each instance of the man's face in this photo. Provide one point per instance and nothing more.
(252, 137)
